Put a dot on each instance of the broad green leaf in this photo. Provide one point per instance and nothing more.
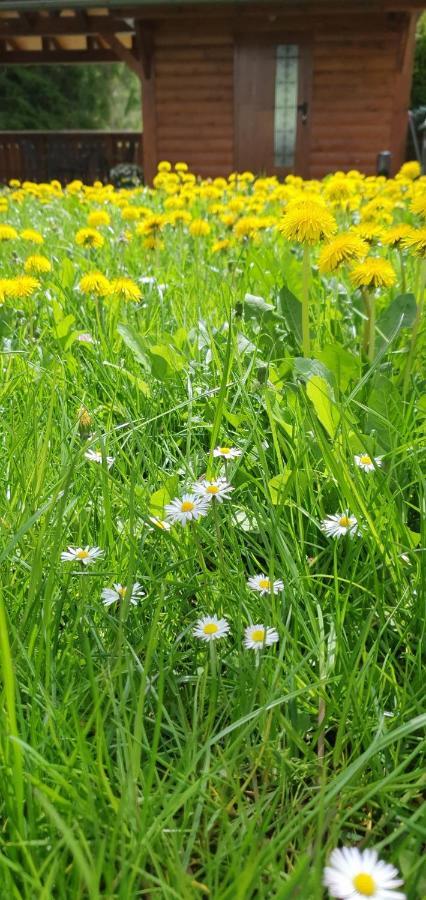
(134, 342)
(158, 501)
(258, 304)
(166, 360)
(291, 309)
(321, 396)
(277, 486)
(401, 313)
(66, 273)
(307, 368)
(64, 326)
(343, 364)
(142, 386)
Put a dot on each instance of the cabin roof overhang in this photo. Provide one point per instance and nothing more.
(74, 31)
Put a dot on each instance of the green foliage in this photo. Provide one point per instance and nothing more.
(418, 89)
(67, 97)
(136, 761)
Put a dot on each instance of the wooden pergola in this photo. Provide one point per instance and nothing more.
(207, 72)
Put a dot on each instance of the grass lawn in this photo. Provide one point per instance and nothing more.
(212, 510)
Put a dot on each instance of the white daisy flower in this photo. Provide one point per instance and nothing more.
(86, 338)
(96, 456)
(160, 523)
(264, 585)
(210, 628)
(86, 556)
(258, 636)
(341, 523)
(187, 509)
(118, 592)
(227, 452)
(217, 489)
(368, 463)
(353, 874)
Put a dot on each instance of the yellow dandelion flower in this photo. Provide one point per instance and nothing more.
(342, 249)
(164, 166)
(98, 217)
(153, 243)
(374, 272)
(339, 190)
(199, 228)
(369, 231)
(3, 204)
(89, 237)
(307, 222)
(394, 237)
(84, 418)
(38, 264)
(181, 167)
(6, 288)
(223, 244)
(14, 183)
(410, 170)
(23, 286)
(95, 283)
(130, 213)
(151, 225)
(247, 226)
(126, 289)
(179, 215)
(30, 234)
(416, 242)
(418, 205)
(8, 233)
(228, 219)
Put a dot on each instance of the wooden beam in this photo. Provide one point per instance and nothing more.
(122, 53)
(52, 26)
(37, 57)
(144, 45)
(402, 87)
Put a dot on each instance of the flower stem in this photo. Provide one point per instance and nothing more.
(416, 326)
(306, 272)
(369, 326)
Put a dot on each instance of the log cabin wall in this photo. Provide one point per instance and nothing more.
(358, 97)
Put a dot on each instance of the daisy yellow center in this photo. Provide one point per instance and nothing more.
(210, 628)
(121, 590)
(187, 506)
(264, 583)
(366, 460)
(224, 450)
(344, 521)
(212, 489)
(258, 635)
(82, 554)
(364, 884)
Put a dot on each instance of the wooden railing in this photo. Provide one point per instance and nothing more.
(65, 155)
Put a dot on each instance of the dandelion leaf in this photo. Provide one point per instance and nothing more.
(321, 396)
(401, 313)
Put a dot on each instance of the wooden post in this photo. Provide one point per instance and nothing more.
(145, 46)
(401, 88)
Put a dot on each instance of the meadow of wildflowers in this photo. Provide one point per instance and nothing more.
(212, 510)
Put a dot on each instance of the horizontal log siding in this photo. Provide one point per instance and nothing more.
(358, 96)
(194, 100)
(352, 99)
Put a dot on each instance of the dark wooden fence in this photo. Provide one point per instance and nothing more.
(65, 155)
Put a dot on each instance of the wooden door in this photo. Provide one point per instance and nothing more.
(272, 98)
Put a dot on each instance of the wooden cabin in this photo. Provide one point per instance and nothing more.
(303, 86)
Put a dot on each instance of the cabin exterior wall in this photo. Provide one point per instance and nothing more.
(360, 73)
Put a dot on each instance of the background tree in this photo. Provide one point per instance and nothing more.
(65, 97)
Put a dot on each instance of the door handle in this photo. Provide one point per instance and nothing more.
(303, 108)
